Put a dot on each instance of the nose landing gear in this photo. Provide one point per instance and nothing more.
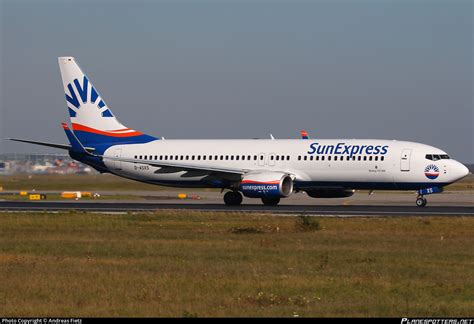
(421, 201)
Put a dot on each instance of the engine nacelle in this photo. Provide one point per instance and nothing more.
(266, 184)
(330, 193)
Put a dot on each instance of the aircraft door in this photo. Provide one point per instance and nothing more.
(405, 160)
(118, 164)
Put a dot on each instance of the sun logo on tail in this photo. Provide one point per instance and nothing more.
(85, 96)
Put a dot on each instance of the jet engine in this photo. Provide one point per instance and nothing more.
(266, 185)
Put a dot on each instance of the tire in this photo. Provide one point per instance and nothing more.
(421, 202)
(270, 201)
(233, 198)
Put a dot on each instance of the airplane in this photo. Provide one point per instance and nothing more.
(268, 169)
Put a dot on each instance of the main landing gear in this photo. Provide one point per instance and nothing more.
(421, 201)
(233, 198)
(270, 201)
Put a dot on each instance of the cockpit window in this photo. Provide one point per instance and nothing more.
(436, 157)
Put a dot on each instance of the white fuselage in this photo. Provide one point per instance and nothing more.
(354, 164)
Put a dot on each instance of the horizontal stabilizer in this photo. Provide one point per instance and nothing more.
(55, 145)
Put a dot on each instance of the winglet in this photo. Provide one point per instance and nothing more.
(304, 134)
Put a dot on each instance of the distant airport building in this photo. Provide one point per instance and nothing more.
(41, 164)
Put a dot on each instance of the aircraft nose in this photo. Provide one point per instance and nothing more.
(461, 171)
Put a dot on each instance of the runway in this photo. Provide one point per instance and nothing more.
(313, 210)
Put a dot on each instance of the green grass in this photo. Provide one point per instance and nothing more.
(205, 264)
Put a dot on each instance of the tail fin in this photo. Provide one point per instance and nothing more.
(76, 146)
(92, 120)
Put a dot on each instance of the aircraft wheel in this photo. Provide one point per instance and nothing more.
(270, 201)
(233, 198)
(421, 202)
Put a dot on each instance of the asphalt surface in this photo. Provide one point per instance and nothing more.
(323, 210)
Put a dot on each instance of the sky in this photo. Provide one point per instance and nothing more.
(246, 69)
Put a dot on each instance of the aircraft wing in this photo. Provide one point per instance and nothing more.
(179, 166)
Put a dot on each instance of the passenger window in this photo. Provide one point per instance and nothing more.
(222, 157)
(237, 157)
(299, 157)
(348, 157)
(376, 158)
(192, 157)
(210, 157)
(322, 158)
(181, 157)
(261, 157)
(305, 158)
(271, 157)
(370, 158)
(329, 158)
(317, 157)
(288, 158)
(365, 158)
(311, 158)
(359, 158)
(382, 158)
(255, 157)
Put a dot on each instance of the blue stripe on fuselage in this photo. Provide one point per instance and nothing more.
(103, 142)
